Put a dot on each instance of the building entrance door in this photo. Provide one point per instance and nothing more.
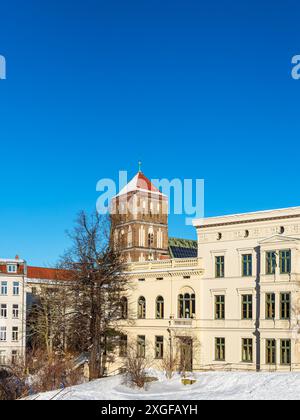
(186, 354)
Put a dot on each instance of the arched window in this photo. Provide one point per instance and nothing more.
(124, 308)
(150, 238)
(142, 308)
(160, 308)
(186, 305)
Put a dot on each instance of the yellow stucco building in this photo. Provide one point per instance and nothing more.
(232, 303)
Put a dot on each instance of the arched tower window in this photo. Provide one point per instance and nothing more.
(160, 308)
(142, 308)
(150, 237)
(187, 304)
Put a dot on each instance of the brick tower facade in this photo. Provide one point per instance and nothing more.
(139, 217)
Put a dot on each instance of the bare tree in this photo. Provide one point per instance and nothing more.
(136, 366)
(98, 286)
(47, 319)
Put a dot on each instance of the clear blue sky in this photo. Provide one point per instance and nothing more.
(195, 89)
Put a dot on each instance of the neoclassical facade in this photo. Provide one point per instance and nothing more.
(234, 306)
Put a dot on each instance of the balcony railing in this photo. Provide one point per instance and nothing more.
(164, 264)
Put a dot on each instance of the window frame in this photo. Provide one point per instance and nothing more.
(12, 268)
(285, 263)
(3, 310)
(186, 305)
(272, 303)
(247, 350)
(15, 334)
(123, 345)
(220, 349)
(220, 307)
(284, 355)
(272, 351)
(159, 347)
(160, 308)
(220, 266)
(248, 264)
(248, 309)
(141, 345)
(16, 288)
(142, 307)
(271, 263)
(4, 287)
(3, 333)
(285, 311)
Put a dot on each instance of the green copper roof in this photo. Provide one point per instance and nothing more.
(182, 243)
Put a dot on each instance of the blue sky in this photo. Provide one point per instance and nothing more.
(194, 89)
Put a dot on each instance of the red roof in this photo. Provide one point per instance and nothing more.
(48, 273)
(140, 183)
(145, 184)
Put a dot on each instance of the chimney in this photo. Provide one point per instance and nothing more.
(17, 257)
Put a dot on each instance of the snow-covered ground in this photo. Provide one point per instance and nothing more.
(212, 385)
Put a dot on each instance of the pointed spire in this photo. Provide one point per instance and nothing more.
(140, 167)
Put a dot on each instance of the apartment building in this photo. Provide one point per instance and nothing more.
(250, 298)
(236, 306)
(12, 310)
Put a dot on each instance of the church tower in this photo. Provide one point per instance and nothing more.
(139, 216)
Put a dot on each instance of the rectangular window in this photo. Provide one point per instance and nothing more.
(123, 346)
(16, 288)
(3, 310)
(271, 262)
(271, 352)
(15, 334)
(2, 357)
(247, 350)
(15, 311)
(159, 347)
(220, 349)
(270, 306)
(285, 305)
(247, 265)
(4, 288)
(141, 346)
(14, 357)
(220, 307)
(285, 352)
(247, 307)
(12, 268)
(285, 261)
(220, 266)
(3, 334)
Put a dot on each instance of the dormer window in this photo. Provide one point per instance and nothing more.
(12, 268)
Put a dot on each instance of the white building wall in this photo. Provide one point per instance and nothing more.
(9, 346)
